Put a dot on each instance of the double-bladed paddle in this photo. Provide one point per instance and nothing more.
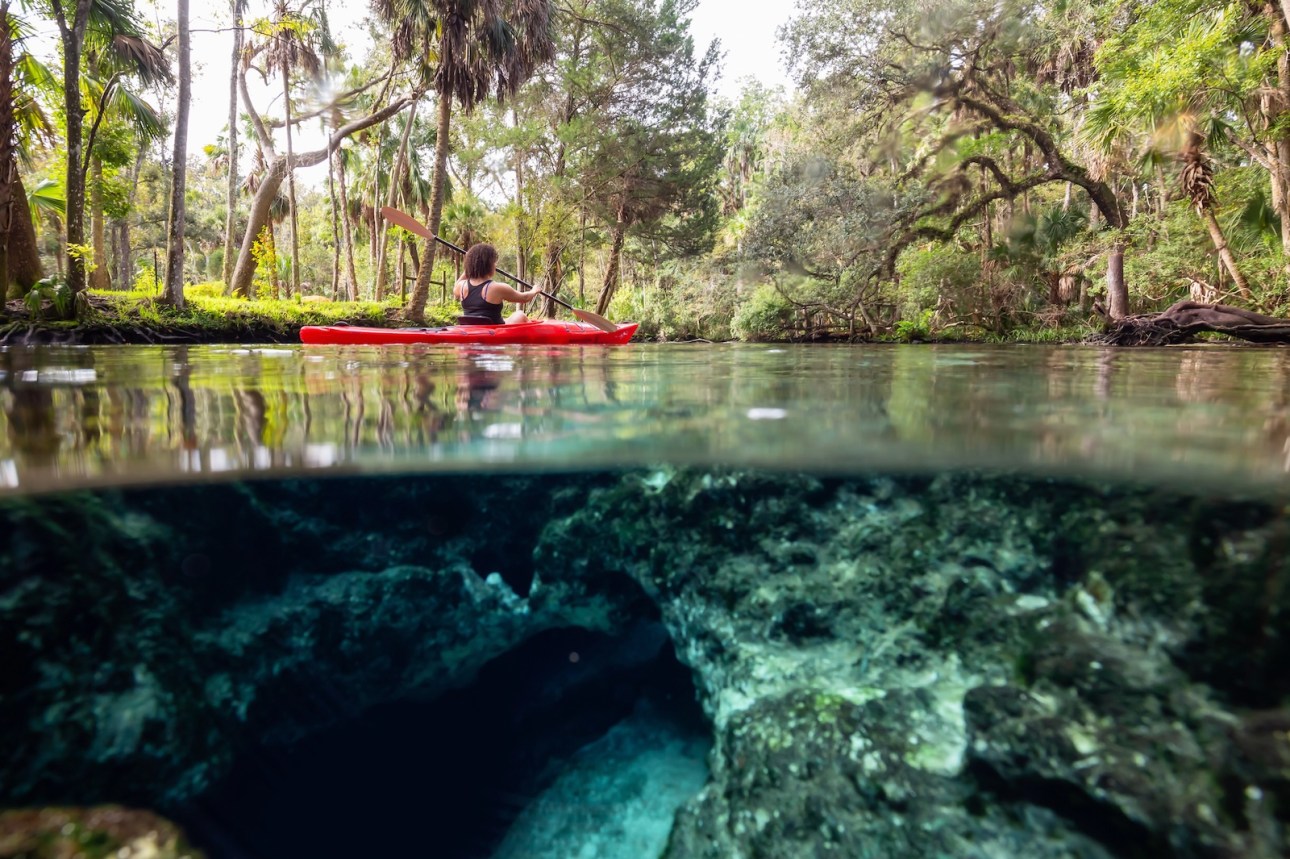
(412, 225)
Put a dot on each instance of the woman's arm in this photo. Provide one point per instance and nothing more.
(460, 289)
(498, 292)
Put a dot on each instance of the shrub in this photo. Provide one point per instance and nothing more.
(765, 316)
(145, 282)
(934, 272)
(206, 289)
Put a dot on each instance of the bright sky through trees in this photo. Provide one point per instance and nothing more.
(746, 29)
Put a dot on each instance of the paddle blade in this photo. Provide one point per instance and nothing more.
(407, 222)
(595, 319)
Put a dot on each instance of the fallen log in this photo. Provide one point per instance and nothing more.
(1184, 320)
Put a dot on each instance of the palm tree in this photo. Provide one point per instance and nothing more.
(102, 27)
(464, 220)
(22, 125)
(1197, 180)
(1110, 124)
(392, 198)
(481, 47)
(344, 159)
(230, 229)
(289, 51)
(174, 291)
(111, 100)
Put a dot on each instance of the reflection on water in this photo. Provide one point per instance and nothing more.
(122, 414)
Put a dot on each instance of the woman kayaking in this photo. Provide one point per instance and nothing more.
(481, 297)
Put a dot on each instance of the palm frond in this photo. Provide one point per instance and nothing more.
(34, 125)
(109, 18)
(131, 106)
(141, 58)
(31, 74)
(46, 197)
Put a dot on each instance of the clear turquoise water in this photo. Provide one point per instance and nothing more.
(520, 627)
(110, 415)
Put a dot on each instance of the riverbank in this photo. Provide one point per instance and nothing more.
(119, 318)
(133, 318)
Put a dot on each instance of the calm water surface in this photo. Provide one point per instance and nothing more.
(85, 416)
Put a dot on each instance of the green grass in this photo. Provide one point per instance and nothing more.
(207, 307)
(974, 334)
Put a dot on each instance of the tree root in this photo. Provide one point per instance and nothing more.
(1185, 319)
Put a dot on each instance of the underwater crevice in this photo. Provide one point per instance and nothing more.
(448, 776)
(1101, 821)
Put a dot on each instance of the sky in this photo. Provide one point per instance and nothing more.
(746, 29)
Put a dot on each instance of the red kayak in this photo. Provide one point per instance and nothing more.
(548, 332)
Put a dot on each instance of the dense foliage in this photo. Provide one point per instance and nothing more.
(942, 169)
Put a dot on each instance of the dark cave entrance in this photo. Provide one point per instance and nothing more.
(446, 777)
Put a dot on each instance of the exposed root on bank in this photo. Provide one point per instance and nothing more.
(1185, 319)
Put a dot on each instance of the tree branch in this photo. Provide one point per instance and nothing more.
(318, 156)
(297, 119)
(261, 133)
(1007, 116)
(98, 120)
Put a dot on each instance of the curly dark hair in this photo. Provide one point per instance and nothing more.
(481, 261)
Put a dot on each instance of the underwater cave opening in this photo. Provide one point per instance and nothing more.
(448, 777)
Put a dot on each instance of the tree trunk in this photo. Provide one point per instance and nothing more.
(554, 274)
(392, 197)
(1278, 103)
(174, 292)
(125, 265)
(347, 229)
(417, 304)
(1117, 292)
(1225, 252)
(73, 39)
(231, 195)
(101, 277)
(25, 269)
(582, 258)
(373, 227)
(399, 268)
(272, 235)
(615, 262)
(335, 230)
(293, 283)
(244, 271)
(1182, 321)
(19, 256)
(521, 258)
(8, 151)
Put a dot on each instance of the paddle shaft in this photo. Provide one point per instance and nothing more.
(449, 244)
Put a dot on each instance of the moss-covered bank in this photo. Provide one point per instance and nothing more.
(135, 318)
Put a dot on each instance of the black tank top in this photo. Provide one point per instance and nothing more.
(474, 304)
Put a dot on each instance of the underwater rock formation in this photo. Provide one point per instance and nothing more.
(965, 666)
(156, 633)
(892, 666)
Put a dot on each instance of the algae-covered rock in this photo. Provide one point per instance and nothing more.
(105, 832)
(960, 665)
(964, 666)
(153, 634)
